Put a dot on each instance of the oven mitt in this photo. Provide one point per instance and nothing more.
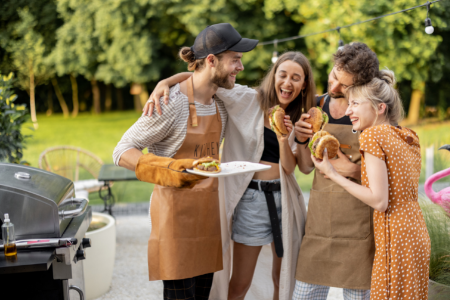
(166, 171)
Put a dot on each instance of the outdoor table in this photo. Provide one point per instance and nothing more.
(110, 173)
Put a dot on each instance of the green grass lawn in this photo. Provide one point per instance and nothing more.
(100, 133)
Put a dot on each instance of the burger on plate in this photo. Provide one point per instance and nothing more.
(207, 164)
(276, 120)
(318, 118)
(322, 140)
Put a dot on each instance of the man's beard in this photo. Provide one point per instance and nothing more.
(334, 95)
(220, 78)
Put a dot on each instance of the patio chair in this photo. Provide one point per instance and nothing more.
(76, 164)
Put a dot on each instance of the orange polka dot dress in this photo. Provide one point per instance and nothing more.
(401, 265)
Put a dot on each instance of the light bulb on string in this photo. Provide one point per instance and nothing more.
(429, 29)
(274, 57)
(341, 42)
(275, 52)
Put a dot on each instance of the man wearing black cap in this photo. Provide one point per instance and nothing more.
(185, 248)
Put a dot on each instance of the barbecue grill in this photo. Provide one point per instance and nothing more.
(50, 224)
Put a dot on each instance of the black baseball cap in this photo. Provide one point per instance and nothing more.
(218, 38)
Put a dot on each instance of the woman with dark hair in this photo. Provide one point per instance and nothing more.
(266, 207)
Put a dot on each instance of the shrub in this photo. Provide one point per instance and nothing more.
(438, 225)
(12, 118)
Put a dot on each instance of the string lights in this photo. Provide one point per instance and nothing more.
(341, 42)
(275, 52)
(429, 29)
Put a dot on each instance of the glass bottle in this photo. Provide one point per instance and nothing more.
(9, 241)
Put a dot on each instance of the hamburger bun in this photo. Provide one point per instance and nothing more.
(317, 119)
(207, 165)
(322, 140)
(276, 120)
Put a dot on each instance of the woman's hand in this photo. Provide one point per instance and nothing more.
(303, 129)
(162, 88)
(289, 127)
(324, 165)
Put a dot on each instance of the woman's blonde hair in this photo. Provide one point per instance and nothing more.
(381, 90)
(267, 94)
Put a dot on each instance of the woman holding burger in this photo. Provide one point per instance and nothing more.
(390, 172)
(266, 207)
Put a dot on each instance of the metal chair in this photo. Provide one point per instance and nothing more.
(76, 164)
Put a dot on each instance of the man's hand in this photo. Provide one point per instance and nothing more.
(345, 167)
(166, 171)
(303, 129)
(162, 88)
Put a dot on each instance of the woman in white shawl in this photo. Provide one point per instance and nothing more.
(244, 211)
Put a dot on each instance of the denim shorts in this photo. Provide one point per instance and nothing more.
(251, 221)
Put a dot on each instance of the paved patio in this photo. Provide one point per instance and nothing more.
(130, 271)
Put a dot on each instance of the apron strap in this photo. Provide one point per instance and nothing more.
(217, 109)
(192, 109)
(322, 101)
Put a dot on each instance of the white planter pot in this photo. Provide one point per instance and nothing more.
(99, 263)
(437, 291)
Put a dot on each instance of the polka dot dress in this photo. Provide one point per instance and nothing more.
(401, 266)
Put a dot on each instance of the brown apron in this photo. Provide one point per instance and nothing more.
(338, 247)
(185, 240)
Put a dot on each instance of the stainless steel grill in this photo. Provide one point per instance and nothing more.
(50, 225)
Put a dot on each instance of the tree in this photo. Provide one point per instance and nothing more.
(12, 117)
(28, 56)
(77, 50)
(399, 41)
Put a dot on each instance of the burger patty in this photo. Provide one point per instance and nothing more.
(314, 146)
(201, 167)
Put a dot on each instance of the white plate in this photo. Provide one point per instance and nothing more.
(233, 168)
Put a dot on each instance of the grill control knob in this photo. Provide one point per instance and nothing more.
(80, 255)
(86, 243)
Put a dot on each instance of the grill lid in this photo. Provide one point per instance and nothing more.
(36, 181)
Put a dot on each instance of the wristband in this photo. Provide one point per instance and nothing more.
(301, 143)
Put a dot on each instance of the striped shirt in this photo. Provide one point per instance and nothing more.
(164, 134)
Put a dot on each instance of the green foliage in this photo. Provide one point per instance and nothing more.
(399, 41)
(27, 35)
(438, 225)
(27, 49)
(12, 117)
(137, 41)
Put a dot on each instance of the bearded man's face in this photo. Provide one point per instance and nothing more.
(338, 82)
(227, 68)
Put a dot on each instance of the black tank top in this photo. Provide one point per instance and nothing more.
(345, 120)
(271, 151)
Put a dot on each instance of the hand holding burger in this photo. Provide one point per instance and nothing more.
(318, 119)
(322, 140)
(277, 120)
(324, 166)
(280, 123)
